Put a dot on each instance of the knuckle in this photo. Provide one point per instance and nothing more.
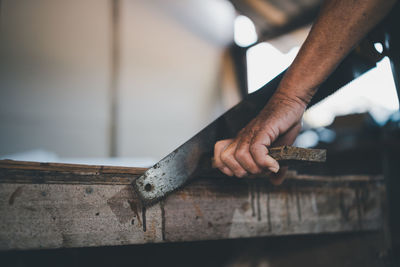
(253, 149)
(225, 157)
(270, 132)
(241, 154)
(218, 144)
(236, 169)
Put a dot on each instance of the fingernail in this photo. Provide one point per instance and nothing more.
(274, 169)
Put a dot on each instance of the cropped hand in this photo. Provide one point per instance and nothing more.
(277, 124)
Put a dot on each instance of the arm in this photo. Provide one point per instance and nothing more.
(340, 25)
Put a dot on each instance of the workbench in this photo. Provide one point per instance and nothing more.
(53, 205)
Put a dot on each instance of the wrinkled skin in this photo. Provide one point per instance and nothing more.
(340, 25)
(277, 124)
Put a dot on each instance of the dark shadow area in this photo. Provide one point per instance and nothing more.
(356, 249)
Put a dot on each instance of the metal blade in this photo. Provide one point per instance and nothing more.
(178, 167)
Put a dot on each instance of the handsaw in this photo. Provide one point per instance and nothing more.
(183, 163)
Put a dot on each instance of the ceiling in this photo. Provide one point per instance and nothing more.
(273, 18)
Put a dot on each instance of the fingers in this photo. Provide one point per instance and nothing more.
(239, 157)
(259, 151)
(224, 156)
(286, 139)
(229, 160)
(219, 147)
(260, 155)
(248, 153)
(244, 157)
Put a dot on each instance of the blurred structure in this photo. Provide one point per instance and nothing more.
(58, 75)
(124, 78)
(82, 81)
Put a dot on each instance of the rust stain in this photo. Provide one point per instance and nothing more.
(198, 210)
(245, 206)
(183, 195)
(14, 195)
(125, 213)
(151, 233)
(217, 202)
(134, 208)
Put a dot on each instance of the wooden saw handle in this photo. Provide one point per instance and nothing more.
(292, 154)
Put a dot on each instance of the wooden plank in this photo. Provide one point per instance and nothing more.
(58, 173)
(106, 212)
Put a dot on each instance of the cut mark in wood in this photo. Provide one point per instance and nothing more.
(134, 207)
(162, 220)
(288, 220)
(258, 204)
(226, 208)
(298, 203)
(251, 189)
(269, 212)
(14, 195)
(144, 218)
(358, 205)
(343, 209)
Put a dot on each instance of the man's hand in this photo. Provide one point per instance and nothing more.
(339, 27)
(277, 124)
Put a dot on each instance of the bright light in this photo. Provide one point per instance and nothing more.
(378, 47)
(374, 92)
(244, 31)
(265, 62)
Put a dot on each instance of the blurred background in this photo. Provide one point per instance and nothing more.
(125, 82)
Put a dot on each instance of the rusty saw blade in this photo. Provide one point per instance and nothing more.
(181, 165)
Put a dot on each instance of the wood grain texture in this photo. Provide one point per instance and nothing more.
(59, 173)
(297, 153)
(107, 212)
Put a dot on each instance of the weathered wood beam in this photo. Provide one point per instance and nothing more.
(58, 173)
(61, 205)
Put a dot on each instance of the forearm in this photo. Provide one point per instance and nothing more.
(340, 25)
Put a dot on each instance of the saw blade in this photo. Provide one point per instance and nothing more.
(180, 166)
